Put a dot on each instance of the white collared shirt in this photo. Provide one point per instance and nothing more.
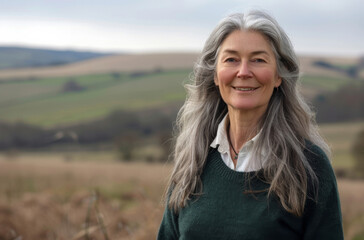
(246, 162)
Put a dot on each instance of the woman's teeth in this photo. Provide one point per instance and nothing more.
(244, 89)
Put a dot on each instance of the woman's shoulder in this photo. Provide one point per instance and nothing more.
(320, 164)
(316, 157)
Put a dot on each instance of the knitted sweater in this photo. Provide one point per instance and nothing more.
(223, 211)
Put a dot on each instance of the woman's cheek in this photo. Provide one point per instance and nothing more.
(265, 76)
(226, 75)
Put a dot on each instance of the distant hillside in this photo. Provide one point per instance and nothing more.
(49, 102)
(107, 64)
(164, 61)
(332, 66)
(92, 89)
(20, 57)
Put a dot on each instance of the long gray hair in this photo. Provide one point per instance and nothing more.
(286, 125)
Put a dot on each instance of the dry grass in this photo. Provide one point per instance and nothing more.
(46, 197)
(341, 137)
(352, 199)
(51, 199)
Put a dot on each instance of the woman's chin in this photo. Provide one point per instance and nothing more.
(248, 108)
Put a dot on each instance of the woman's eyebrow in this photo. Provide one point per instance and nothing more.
(260, 52)
(231, 51)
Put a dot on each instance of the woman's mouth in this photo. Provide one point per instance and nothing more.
(245, 89)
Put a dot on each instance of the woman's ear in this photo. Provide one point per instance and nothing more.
(278, 82)
(215, 80)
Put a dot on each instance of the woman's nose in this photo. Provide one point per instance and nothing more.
(244, 70)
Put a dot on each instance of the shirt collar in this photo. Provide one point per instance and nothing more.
(221, 141)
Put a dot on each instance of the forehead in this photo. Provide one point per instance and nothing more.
(246, 41)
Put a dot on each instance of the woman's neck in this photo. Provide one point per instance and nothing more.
(242, 127)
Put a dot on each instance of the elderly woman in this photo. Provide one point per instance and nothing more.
(249, 160)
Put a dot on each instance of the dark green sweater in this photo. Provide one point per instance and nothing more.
(223, 211)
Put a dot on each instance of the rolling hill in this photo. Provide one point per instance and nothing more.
(116, 63)
(132, 82)
(45, 103)
(21, 57)
(152, 61)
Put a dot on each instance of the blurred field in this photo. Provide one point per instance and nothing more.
(308, 68)
(148, 62)
(58, 195)
(72, 195)
(48, 196)
(102, 65)
(313, 85)
(341, 137)
(43, 102)
(36, 96)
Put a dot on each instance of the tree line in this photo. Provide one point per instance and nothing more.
(124, 130)
(345, 104)
(352, 71)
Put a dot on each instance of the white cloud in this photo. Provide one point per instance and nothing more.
(142, 25)
(78, 35)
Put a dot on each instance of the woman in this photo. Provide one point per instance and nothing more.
(249, 160)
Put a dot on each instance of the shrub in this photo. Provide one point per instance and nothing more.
(72, 86)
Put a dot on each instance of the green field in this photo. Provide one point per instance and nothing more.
(325, 83)
(42, 102)
(341, 137)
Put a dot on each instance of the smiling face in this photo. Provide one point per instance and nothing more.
(246, 71)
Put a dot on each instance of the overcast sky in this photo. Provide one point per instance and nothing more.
(334, 27)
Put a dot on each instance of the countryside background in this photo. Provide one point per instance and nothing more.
(85, 139)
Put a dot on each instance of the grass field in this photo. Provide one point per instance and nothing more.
(47, 196)
(325, 83)
(42, 102)
(77, 195)
(341, 137)
(71, 195)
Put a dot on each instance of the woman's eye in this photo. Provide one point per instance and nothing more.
(258, 60)
(230, 60)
